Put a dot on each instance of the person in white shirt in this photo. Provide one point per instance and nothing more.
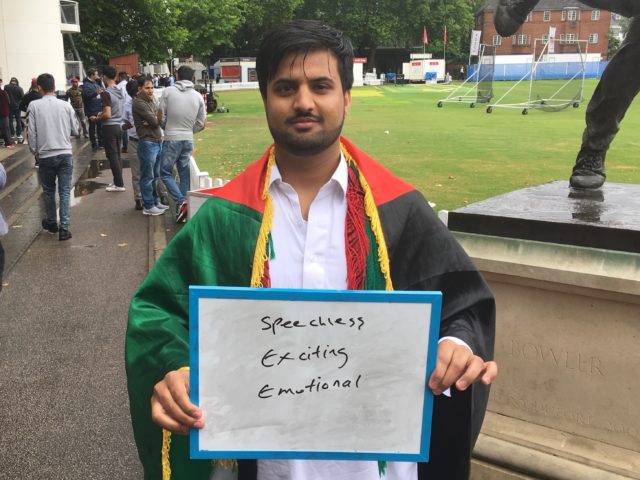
(313, 212)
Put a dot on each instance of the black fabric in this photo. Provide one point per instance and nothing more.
(247, 469)
(425, 256)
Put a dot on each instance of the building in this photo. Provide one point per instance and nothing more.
(31, 40)
(572, 20)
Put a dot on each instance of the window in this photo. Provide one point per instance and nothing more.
(497, 40)
(545, 39)
(523, 39)
(571, 38)
(547, 16)
(562, 38)
(593, 38)
(595, 15)
(513, 39)
(564, 15)
(572, 15)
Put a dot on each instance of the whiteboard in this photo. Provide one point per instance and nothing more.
(312, 374)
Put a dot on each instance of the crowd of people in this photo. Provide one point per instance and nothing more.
(109, 108)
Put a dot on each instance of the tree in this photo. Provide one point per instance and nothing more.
(208, 23)
(371, 23)
(260, 17)
(117, 27)
(458, 17)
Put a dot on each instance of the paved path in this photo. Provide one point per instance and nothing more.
(64, 410)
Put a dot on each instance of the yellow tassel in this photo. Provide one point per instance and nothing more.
(372, 212)
(260, 255)
(166, 444)
(225, 463)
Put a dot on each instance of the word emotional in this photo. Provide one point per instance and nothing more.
(280, 323)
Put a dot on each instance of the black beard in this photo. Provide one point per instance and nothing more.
(305, 145)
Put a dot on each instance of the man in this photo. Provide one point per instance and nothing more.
(51, 123)
(618, 86)
(91, 90)
(304, 201)
(112, 101)
(129, 127)
(183, 114)
(147, 118)
(15, 93)
(123, 78)
(5, 109)
(75, 97)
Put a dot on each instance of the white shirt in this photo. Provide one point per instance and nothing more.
(311, 254)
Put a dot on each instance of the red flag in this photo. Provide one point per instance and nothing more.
(425, 40)
(445, 35)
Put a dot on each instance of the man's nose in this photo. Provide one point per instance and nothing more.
(304, 99)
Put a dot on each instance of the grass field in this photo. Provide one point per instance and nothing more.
(455, 155)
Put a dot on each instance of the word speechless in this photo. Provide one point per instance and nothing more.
(273, 358)
(274, 325)
(316, 385)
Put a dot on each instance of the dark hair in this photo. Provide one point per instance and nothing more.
(109, 72)
(142, 79)
(132, 88)
(14, 79)
(303, 37)
(186, 73)
(91, 71)
(123, 75)
(46, 82)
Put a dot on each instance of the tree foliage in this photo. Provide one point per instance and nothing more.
(197, 27)
(118, 27)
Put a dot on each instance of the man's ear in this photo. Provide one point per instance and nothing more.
(347, 102)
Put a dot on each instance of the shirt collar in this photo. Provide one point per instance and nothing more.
(340, 175)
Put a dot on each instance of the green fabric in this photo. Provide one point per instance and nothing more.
(216, 247)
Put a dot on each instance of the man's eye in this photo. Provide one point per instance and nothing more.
(284, 89)
(321, 87)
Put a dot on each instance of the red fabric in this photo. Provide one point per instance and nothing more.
(425, 40)
(384, 185)
(245, 190)
(356, 241)
(445, 35)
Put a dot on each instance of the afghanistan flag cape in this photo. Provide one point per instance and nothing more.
(393, 240)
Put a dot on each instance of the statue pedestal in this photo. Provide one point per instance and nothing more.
(565, 270)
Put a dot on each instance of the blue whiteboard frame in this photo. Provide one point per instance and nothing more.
(365, 296)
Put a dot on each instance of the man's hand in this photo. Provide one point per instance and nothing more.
(170, 405)
(458, 365)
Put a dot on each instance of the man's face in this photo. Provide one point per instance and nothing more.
(305, 103)
(74, 85)
(95, 76)
(147, 89)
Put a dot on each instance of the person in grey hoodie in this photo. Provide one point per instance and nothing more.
(183, 114)
(51, 123)
(111, 118)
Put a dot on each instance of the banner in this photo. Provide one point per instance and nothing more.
(425, 40)
(312, 374)
(552, 37)
(475, 42)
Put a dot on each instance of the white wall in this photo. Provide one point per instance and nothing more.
(31, 41)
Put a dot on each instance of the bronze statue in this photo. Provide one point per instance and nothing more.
(614, 93)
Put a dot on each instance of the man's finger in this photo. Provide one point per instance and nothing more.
(160, 417)
(164, 397)
(490, 372)
(474, 370)
(178, 385)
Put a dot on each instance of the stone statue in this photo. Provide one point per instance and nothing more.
(616, 90)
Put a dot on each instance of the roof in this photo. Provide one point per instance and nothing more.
(542, 5)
